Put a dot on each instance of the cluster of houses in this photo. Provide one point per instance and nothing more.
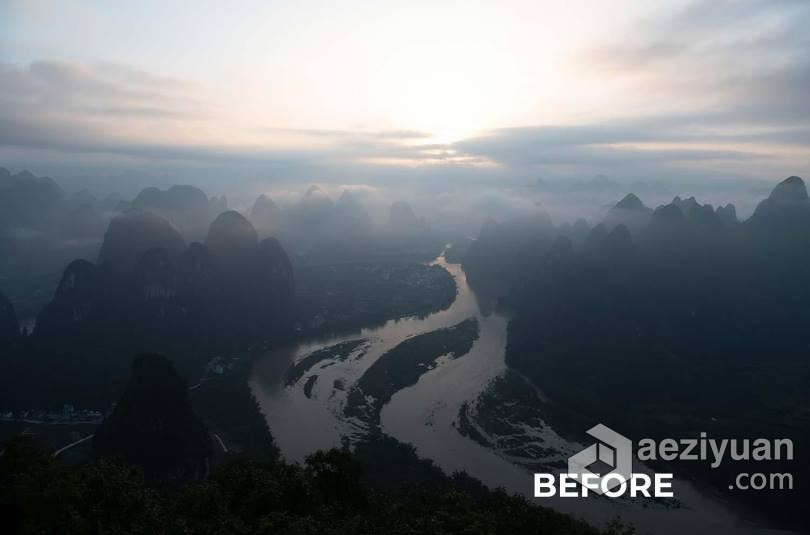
(220, 365)
(68, 415)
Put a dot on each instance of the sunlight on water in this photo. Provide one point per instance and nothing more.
(426, 414)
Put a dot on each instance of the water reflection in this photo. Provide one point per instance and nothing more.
(302, 424)
(426, 414)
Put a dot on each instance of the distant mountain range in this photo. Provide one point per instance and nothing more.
(146, 282)
(666, 322)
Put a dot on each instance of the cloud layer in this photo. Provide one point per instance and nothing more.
(711, 88)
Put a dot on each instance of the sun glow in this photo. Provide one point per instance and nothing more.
(446, 69)
(382, 82)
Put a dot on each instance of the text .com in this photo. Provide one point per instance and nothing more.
(606, 467)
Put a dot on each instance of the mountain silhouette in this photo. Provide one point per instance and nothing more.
(601, 245)
(786, 207)
(86, 303)
(631, 202)
(134, 232)
(790, 190)
(232, 241)
(630, 212)
(176, 198)
(187, 208)
(401, 216)
(9, 326)
(266, 216)
(727, 214)
(274, 288)
(153, 426)
(782, 221)
(232, 289)
(28, 201)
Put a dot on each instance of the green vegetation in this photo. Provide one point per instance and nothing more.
(51, 437)
(327, 495)
(402, 366)
(455, 251)
(509, 418)
(29, 291)
(309, 385)
(347, 296)
(226, 404)
(340, 351)
(382, 488)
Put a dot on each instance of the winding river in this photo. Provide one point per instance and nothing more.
(307, 414)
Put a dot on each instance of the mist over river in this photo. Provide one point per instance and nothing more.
(308, 414)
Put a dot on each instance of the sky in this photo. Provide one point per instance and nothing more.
(685, 92)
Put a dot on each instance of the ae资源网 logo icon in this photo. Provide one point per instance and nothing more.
(613, 450)
(605, 468)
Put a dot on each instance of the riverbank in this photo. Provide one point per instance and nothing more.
(426, 416)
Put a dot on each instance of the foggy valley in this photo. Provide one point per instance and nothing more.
(405, 267)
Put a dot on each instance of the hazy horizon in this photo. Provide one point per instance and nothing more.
(691, 96)
(419, 266)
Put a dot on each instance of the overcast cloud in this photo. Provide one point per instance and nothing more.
(716, 89)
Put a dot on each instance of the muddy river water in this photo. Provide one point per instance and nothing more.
(307, 414)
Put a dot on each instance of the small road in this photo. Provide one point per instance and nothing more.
(50, 422)
(88, 437)
(222, 444)
(60, 450)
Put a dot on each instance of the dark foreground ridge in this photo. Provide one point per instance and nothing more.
(148, 477)
(327, 495)
(154, 428)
